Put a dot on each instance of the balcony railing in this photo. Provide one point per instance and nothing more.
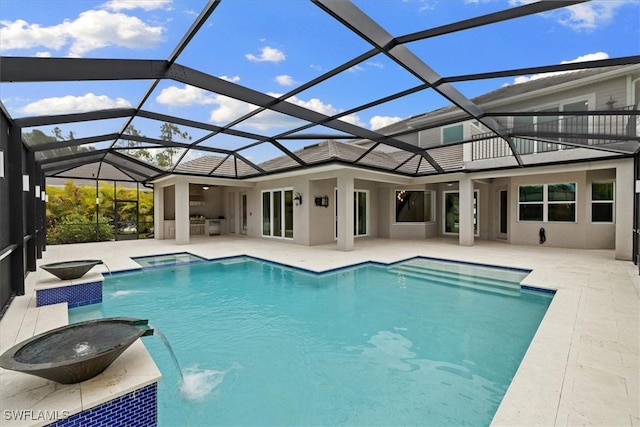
(579, 129)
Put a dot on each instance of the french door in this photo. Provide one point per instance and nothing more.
(277, 213)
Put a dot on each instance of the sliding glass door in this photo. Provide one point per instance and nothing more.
(451, 208)
(360, 213)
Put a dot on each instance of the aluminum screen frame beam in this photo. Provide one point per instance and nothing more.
(358, 22)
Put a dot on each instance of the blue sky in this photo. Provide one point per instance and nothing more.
(272, 46)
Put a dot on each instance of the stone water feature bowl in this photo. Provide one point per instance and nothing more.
(76, 352)
(70, 269)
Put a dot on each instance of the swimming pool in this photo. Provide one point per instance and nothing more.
(262, 344)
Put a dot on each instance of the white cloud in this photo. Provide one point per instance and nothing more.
(584, 16)
(136, 4)
(233, 79)
(378, 122)
(375, 64)
(267, 54)
(174, 96)
(43, 55)
(227, 109)
(19, 34)
(355, 69)
(93, 29)
(318, 106)
(588, 57)
(73, 104)
(285, 80)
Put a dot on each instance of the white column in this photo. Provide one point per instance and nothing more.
(465, 188)
(182, 213)
(345, 212)
(625, 190)
(158, 212)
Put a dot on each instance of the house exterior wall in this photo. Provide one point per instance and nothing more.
(601, 91)
(321, 219)
(558, 234)
(582, 233)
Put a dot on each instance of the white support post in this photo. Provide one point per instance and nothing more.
(158, 212)
(466, 211)
(182, 213)
(345, 213)
(625, 190)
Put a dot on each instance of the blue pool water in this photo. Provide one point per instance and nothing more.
(261, 344)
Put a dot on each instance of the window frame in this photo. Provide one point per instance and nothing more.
(546, 203)
(282, 213)
(444, 128)
(612, 202)
(430, 194)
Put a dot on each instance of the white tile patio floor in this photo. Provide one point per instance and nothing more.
(583, 366)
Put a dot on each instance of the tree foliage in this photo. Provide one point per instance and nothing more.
(74, 217)
(36, 137)
(163, 157)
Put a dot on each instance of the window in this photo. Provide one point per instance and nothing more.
(562, 202)
(602, 201)
(277, 213)
(452, 134)
(414, 206)
(548, 202)
(530, 203)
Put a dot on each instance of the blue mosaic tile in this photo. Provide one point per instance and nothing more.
(74, 295)
(138, 408)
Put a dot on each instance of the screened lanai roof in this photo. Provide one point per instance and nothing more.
(185, 108)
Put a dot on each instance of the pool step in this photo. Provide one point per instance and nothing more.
(232, 261)
(456, 278)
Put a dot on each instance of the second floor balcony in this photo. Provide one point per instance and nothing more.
(616, 131)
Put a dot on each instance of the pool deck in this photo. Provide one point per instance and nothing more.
(582, 368)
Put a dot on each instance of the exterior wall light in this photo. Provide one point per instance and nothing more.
(322, 201)
(298, 199)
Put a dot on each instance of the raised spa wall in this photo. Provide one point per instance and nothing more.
(124, 394)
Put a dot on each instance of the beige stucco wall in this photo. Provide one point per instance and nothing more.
(581, 234)
(321, 219)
